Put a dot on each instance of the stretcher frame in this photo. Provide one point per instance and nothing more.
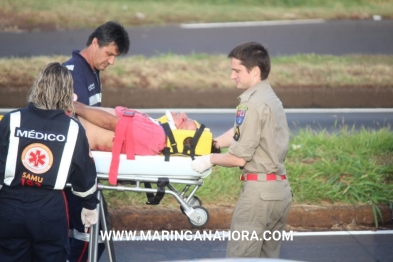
(190, 205)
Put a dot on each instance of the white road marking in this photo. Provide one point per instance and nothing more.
(223, 235)
(343, 233)
(252, 23)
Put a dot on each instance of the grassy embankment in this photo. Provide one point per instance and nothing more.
(350, 167)
(212, 71)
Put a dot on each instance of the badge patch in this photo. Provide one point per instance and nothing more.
(240, 116)
(37, 158)
(237, 134)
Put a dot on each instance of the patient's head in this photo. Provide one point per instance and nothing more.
(182, 121)
(178, 120)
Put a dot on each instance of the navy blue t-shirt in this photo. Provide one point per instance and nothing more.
(87, 83)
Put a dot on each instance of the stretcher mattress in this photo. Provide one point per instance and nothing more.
(178, 167)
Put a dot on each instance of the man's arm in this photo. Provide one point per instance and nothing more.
(202, 163)
(225, 140)
(83, 175)
(227, 160)
(96, 116)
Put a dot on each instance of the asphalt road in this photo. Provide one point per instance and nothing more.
(331, 120)
(314, 36)
(354, 246)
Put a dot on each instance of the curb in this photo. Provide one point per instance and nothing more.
(306, 217)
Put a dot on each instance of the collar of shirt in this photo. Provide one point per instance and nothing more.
(171, 122)
(45, 112)
(245, 96)
(77, 54)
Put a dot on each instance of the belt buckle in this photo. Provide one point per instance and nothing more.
(128, 113)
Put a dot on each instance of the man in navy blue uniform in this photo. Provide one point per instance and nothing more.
(105, 43)
(41, 148)
(103, 46)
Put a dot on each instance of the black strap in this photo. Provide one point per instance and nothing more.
(194, 142)
(167, 153)
(168, 132)
(156, 199)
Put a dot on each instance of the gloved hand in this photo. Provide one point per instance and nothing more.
(89, 217)
(201, 163)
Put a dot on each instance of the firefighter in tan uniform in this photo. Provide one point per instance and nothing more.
(258, 144)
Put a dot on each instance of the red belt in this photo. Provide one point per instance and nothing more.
(269, 177)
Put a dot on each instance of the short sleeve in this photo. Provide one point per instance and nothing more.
(247, 132)
(80, 87)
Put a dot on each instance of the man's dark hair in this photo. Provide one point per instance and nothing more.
(110, 32)
(252, 54)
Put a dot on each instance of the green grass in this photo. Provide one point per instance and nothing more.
(202, 71)
(345, 167)
(48, 14)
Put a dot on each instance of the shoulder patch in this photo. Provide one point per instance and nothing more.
(241, 107)
(240, 114)
(70, 67)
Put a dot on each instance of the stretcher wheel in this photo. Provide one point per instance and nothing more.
(203, 217)
(194, 201)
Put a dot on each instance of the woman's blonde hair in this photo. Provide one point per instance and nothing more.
(53, 89)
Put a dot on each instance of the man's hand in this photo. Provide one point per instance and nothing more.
(201, 163)
(89, 217)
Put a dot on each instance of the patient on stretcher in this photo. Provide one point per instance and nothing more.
(148, 136)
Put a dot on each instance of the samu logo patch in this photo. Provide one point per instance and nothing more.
(37, 158)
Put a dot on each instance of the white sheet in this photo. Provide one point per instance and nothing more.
(177, 167)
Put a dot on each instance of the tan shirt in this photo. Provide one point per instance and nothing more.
(261, 131)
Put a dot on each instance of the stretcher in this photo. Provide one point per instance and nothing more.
(145, 170)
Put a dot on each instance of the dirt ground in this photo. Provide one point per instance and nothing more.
(305, 97)
(301, 218)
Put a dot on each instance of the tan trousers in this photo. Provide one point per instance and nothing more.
(262, 209)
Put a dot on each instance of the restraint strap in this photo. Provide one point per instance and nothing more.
(169, 134)
(123, 127)
(194, 142)
(156, 199)
(167, 152)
